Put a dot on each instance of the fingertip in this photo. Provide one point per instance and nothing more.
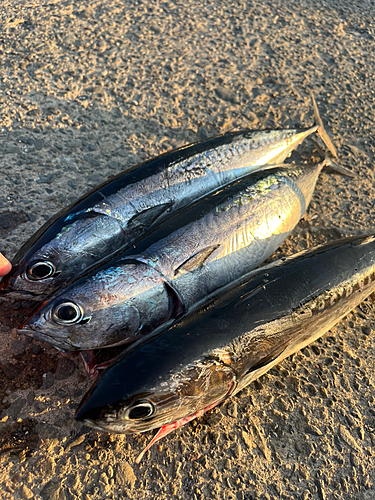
(5, 265)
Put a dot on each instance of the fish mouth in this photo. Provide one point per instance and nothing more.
(91, 423)
(6, 287)
(26, 331)
(105, 427)
(57, 343)
(6, 290)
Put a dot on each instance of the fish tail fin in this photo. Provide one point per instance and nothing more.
(321, 130)
(329, 162)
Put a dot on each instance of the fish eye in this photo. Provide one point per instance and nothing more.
(139, 410)
(67, 313)
(41, 271)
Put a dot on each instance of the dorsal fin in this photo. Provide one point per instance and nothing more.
(196, 260)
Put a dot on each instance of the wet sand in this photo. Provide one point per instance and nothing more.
(88, 89)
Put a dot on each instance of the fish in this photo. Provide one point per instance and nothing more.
(231, 338)
(125, 208)
(203, 249)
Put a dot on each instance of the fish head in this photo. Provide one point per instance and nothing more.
(147, 388)
(106, 308)
(47, 263)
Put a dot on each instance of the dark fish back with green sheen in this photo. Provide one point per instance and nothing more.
(246, 329)
(123, 209)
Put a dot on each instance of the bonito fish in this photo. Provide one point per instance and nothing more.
(218, 240)
(180, 372)
(124, 209)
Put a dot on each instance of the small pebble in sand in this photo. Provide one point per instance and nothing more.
(25, 492)
(48, 380)
(65, 368)
(18, 347)
(36, 349)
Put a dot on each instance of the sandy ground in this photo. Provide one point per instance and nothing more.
(90, 88)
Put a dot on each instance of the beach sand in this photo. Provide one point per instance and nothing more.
(88, 89)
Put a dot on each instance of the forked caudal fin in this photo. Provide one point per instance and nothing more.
(328, 162)
(321, 130)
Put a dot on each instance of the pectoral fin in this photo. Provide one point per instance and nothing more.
(176, 305)
(267, 359)
(150, 215)
(196, 260)
(363, 241)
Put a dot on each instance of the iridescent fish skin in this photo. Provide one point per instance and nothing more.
(124, 209)
(232, 338)
(221, 238)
